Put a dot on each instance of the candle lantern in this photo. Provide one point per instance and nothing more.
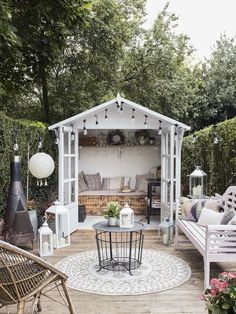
(126, 217)
(166, 231)
(58, 219)
(198, 183)
(45, 240)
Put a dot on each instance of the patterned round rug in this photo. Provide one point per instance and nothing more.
(158, 272)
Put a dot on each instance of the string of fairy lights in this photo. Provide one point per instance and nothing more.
(120, 109)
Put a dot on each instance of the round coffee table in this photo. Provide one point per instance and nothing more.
(118, 248)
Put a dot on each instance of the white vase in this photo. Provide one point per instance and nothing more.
(112, 221)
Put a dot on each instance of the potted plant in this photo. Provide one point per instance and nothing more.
(112, 212)
(220, 298)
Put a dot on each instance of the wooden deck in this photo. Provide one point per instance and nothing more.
(183, 299)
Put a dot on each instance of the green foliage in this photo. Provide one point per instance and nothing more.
(112, 210)
(219, 160)
(28, 133)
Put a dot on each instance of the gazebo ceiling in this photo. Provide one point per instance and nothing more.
(117, 114)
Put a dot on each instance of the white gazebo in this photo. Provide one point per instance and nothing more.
(118, 114)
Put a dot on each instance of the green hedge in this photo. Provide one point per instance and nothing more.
(219, 160)
(27, 129)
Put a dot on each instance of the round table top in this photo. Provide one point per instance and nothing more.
(103, 226)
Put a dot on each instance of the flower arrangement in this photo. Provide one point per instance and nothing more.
(220, 298)
(112, 210)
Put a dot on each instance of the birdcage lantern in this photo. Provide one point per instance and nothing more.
(198, 182)
(45, 240)
(166, 231)
(126, 217)
(58, 220)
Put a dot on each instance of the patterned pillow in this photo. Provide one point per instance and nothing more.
(93, 181)
(228, 215)
(115, 183)
(82, 184)
(191, 210)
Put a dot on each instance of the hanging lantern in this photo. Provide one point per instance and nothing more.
(126, 217)
(58, 219)
(166, 231)
(41, 166)
(198, 183)
(45, 240)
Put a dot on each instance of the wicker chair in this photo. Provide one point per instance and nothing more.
(25, 277)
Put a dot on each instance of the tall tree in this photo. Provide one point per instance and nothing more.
(41, 28)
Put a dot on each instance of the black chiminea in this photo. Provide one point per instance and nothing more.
(16, 218)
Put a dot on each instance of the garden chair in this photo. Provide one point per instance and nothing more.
(25, 277)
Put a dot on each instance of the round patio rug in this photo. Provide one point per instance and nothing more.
(158, 272)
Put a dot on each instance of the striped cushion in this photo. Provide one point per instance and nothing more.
(82, 184)
(228, 215)
(93, 181)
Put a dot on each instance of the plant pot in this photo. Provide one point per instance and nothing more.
(112, 221)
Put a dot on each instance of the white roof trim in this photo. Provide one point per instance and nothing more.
(138, 107)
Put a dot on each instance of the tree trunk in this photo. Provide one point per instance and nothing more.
(46, 105)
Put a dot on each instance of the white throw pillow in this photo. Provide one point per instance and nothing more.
(209, 217)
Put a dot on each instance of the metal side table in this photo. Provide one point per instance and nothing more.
(118, 248)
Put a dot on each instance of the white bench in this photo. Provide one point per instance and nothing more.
(216, 243)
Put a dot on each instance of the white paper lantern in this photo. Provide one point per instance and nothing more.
(58, 217)
(41, 165)
(126, 217)
(45, 240)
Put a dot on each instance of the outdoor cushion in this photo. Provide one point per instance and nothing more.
(82, 184)
(141, 184)
(115, 183)
(191, 209)
(209, 217)
(228, 215)
(93, 181)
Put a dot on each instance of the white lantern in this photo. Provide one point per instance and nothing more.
(58, 219)
(197, 183)
(41, 166)
(45, 240)
(166, 231)
(126, 217)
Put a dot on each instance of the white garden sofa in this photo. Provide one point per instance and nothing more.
(216, 243)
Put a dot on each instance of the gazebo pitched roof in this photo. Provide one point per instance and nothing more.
(78, 118)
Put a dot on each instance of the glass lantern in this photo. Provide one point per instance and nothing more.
(45, 240)
(166, 231)
(126, 217)
(58, 220)
(198, 183)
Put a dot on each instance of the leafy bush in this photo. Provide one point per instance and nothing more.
(219, 160)
(28, 132)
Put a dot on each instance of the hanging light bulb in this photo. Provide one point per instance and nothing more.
(133, 117)
(96, 123)
(117, 106)
(121, 108)
(176, 135)
(57, 141)
(72, 135)
(145, 121)
(85, 132)
(193, 138)
(15, 146)
(215, 138)
(106, 117)
(160, 128)
(40, 143)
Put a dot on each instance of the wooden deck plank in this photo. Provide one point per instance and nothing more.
(180, 300)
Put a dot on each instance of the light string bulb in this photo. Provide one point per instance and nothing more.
(133, 117)
(193, 138)
(215, 138)
(106, 117)
(40, 143)
(85, 132)
(57, 141)
(145, 121)
(72, 135)
(160, 128)
(121, 108)
(96, 122)
(16, 146)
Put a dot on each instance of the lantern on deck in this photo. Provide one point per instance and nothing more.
(45, 240)
(58, 219)
(166, 231)
(198, 183)
(126, 217)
